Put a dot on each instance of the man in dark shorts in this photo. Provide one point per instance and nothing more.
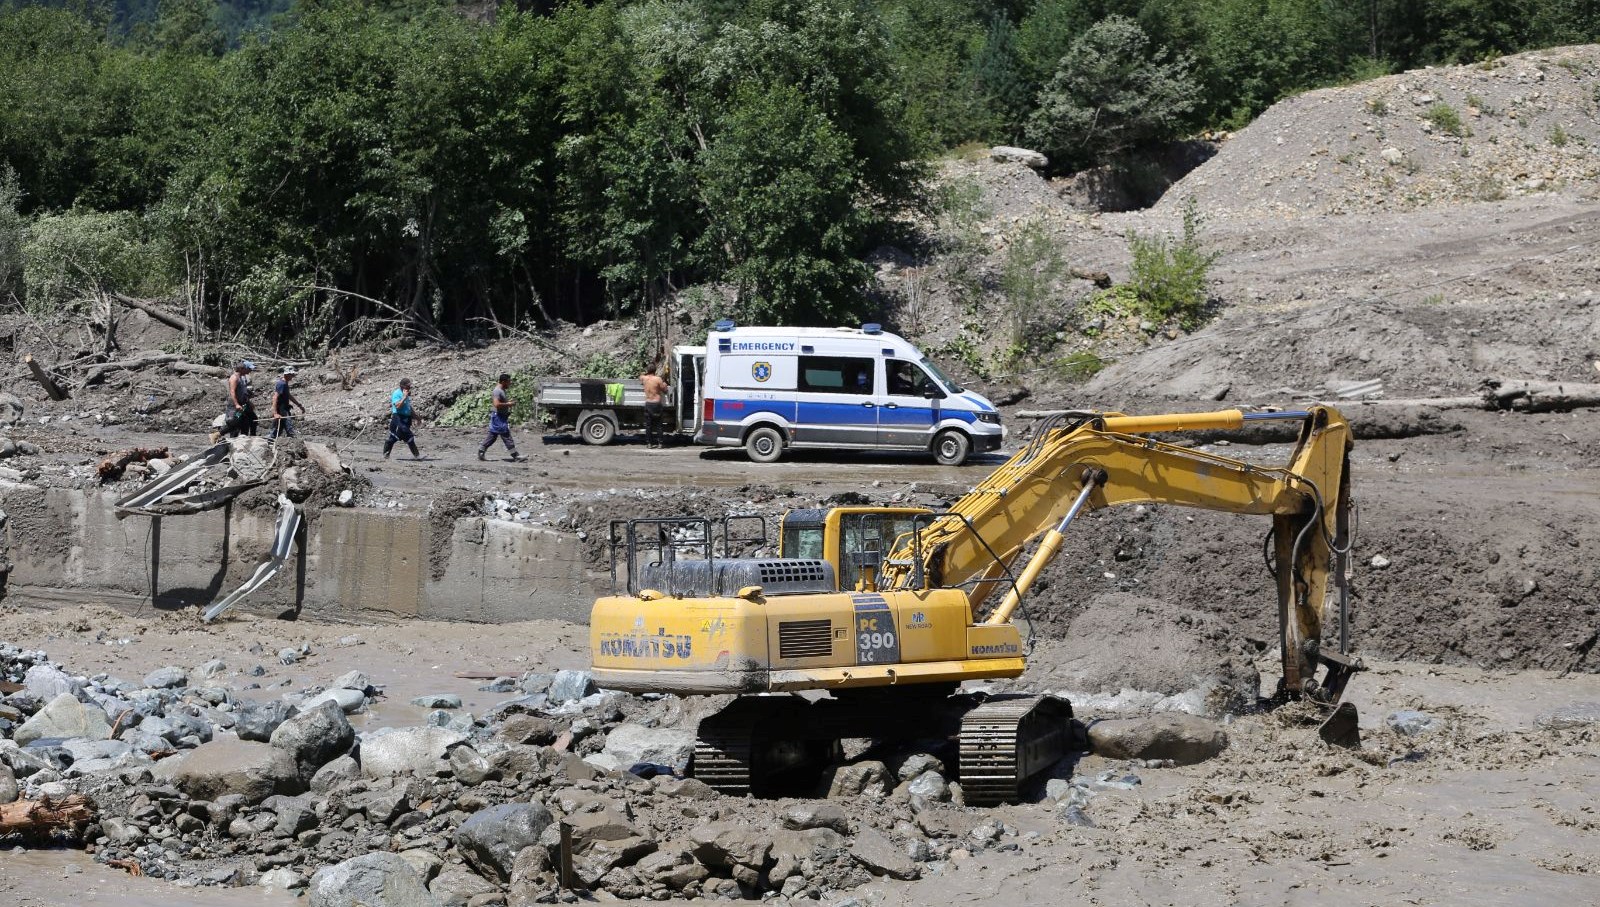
(500, 419)
(282, 399)
(240, 416)
(400, 420)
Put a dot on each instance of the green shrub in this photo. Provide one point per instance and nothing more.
(1378, 107)
(78, 254)
(470, 410)
(1079, 366)
(1445, 119)
(13, 234)
(1033, 263)
(1558, 136)
(1170, 274)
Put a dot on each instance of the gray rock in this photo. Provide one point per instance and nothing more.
(209, 669)
(929, 786)
(1411, 723)
(491, 838)
(282, 879)
(869, 779)
(438, 701)
(917, 763)
(64, 716)
(347, 700)
(225, 766)
(1007, 154)
(352, 680)
(630, 743)
(816, 814)
(382, 804)
(378, 879)
(880, 857)
(294, 814)
(1572, 717)
(570, 686)
(603, 841)
(8, 784)
(425, 862)
(468, 765)
(188, 727)
(335, 773)
(314, 738)
(456, 885)
(1183, 738)
(529, 729)
(167, 678)
(417, 750)
(1072, 814)
(46, 682)
(726, 844)
(257, 720)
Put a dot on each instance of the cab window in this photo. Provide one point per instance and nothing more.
(802, 542)
(836, 374)
(907, 379)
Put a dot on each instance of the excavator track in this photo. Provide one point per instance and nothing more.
(723, 762)
(1008, 740)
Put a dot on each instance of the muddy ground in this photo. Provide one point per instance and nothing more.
(1477, 597)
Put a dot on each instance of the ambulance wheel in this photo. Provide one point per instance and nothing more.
(950, 448)
(764, 445)
(598, 430)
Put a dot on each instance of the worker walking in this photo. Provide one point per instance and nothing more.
(240, 416)
(400, 421)
(500, 419)
(282, 399)
(655, 395)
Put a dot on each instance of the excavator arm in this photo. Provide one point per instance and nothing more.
(1091, 461)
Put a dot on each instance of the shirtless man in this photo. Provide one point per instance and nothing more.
(655, 396)
(500, 419)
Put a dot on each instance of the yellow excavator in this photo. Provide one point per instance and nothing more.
(870, 618)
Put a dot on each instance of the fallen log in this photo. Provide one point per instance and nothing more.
(51, 388)
(195, 368)
(1539, 396)
(149, 307)
(96, 373)
(112, 467)
(44, 817)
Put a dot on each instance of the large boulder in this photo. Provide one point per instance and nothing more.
(729, 844)
(226, 766)
(491, 838)
(378, 879)
(412, 750)
(1007, 154)
(46, 682)
(8, 784)
(570, 686)
(64, 716)
(604, 840)
(806, 814)
(1185, 739)
(167, 678)
(258, 720)
(314, 738)
(632, 743)
(861, 779)
(880, 856)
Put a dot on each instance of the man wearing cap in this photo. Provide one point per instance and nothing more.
(241, 413)
(400, 420)
(281, 401)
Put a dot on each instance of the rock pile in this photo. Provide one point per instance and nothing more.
(196, 784)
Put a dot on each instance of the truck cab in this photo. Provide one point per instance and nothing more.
(769, 389)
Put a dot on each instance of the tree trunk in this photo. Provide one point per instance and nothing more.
(51, 388)
(39, 818)
(149, 307)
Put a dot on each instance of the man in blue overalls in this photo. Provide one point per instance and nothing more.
(500, 419)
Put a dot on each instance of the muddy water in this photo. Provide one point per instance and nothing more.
(69, 878)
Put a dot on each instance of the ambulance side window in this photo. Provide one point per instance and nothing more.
(836, 374)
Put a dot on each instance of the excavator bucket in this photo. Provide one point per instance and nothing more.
(1342, 728)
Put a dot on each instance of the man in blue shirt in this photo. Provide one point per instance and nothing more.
(400, 420)
(282, 399)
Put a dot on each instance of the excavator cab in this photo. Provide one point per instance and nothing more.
(854, 539)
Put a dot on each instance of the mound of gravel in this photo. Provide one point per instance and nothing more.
(1518, 125)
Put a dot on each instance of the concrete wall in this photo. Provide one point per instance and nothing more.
(68, 546)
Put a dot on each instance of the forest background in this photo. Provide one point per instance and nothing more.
(319, 171)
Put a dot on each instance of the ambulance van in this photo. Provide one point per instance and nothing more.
(769, 389)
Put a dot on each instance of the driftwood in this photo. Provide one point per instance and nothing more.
(98, 372)
(51, 388)
(40, 818)
(1539, 396)
(112, 467)
(149, 307)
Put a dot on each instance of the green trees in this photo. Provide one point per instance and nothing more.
(1112, 92)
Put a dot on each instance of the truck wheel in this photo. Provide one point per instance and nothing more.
(764, 445)
(598, 430)
(950, 448)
